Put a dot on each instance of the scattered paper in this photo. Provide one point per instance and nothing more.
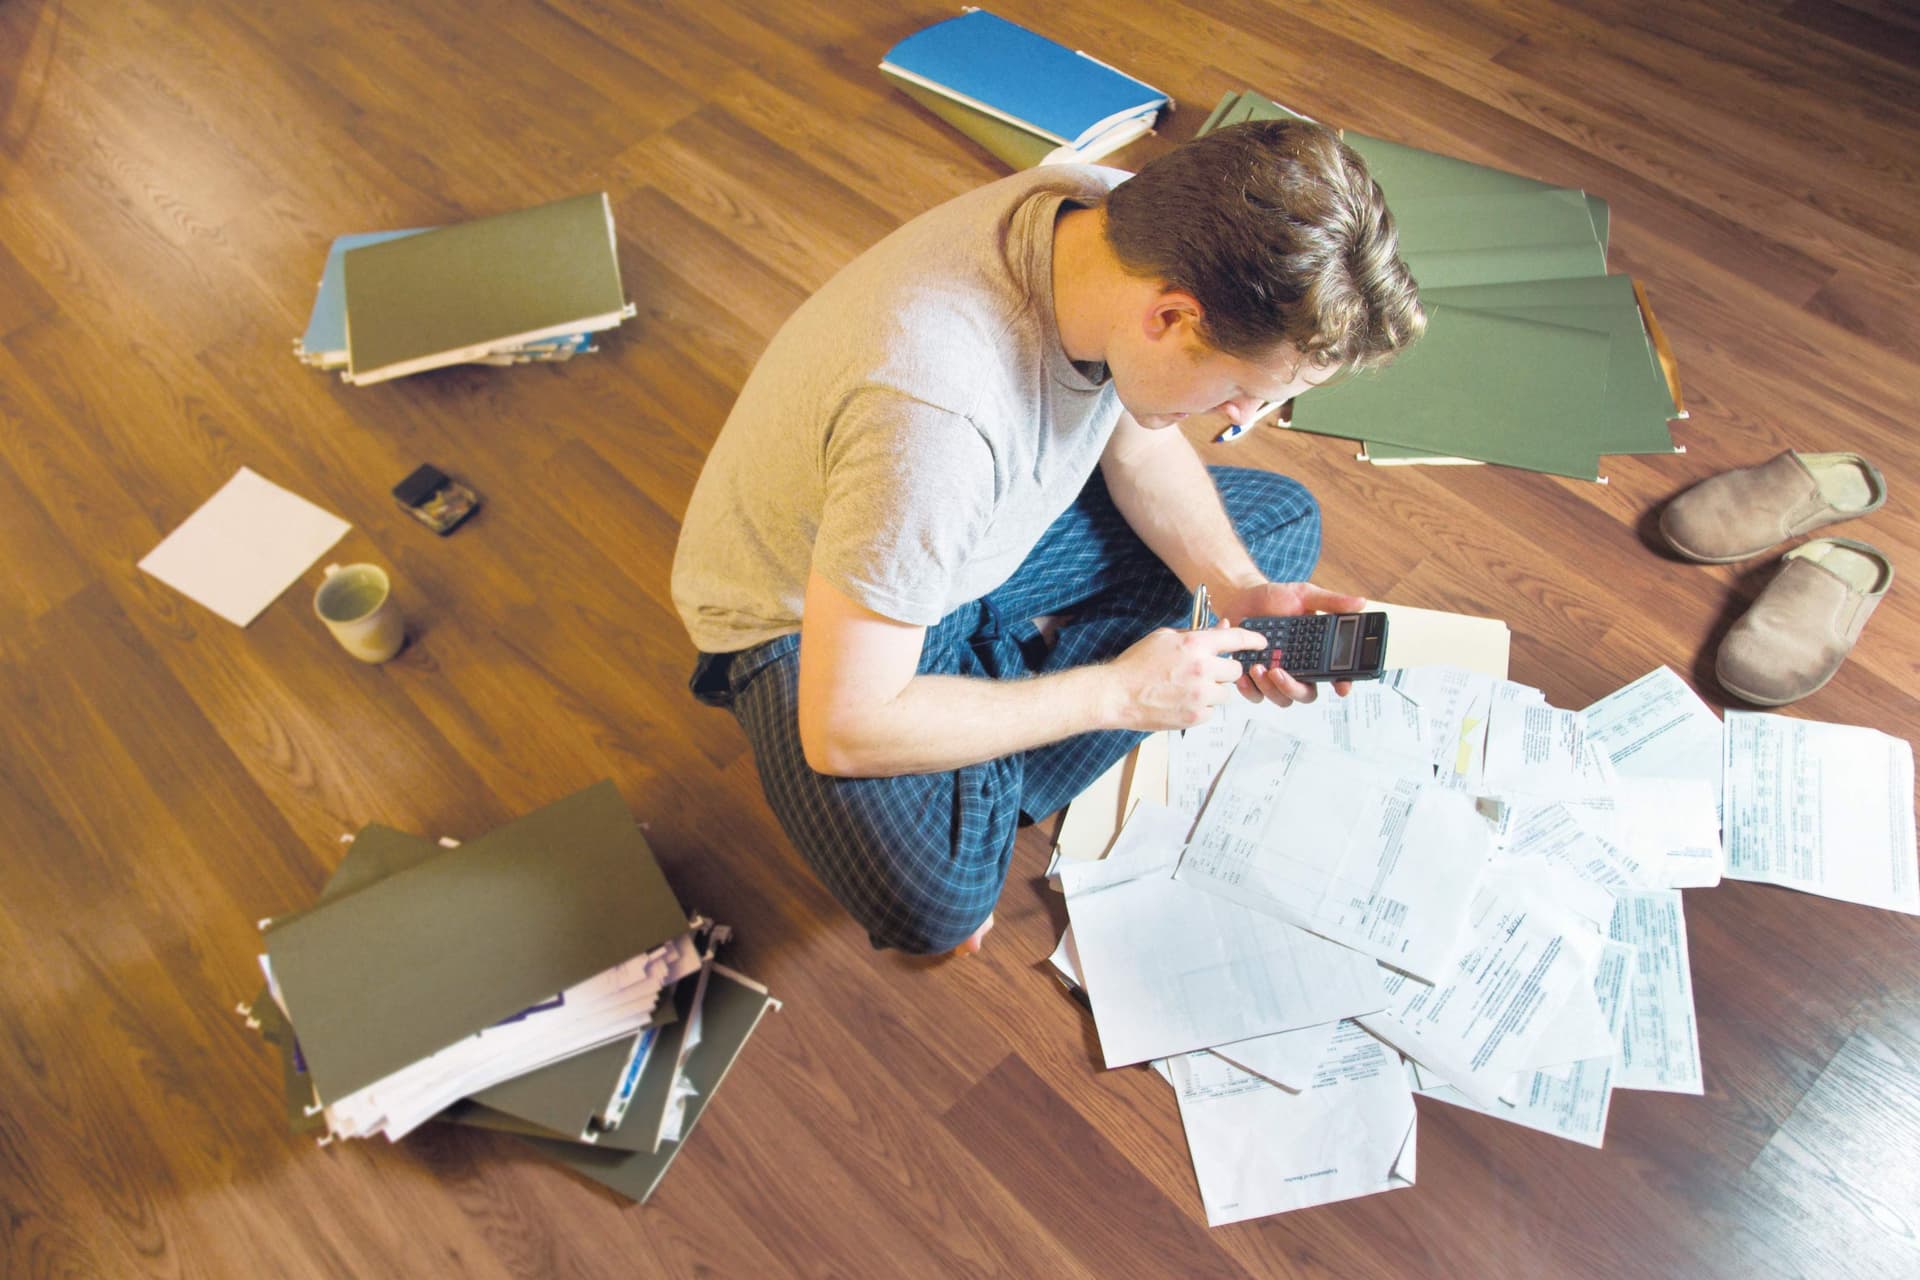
(1671, 830)
(1660, 1049)
(1657, 727)
(1574, 1105)
(1553, 834)
(1066, 959)
(1360, 854)
(1823, 808)
(1535, 749)
(1196, 757)
(1479, 1026)
(1286, 1058)
(1513, 868)
(1169, 968)
(1375, 721)
(1095, 816)
(1092, 820)
(244, 546)
(1259, 1150)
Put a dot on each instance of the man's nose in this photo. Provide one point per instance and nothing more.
(1240, 411)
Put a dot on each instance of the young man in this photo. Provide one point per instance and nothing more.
(934, 559)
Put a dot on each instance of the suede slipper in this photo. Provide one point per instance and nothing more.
(1804, 623)
(1741, 513)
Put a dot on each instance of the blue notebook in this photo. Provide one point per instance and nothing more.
(1007, 71)
(325, 342)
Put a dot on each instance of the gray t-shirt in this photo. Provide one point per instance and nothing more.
(910, 432)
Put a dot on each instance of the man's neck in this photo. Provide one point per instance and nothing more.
(1086, 276)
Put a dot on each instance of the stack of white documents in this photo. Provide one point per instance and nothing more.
(1443, 885)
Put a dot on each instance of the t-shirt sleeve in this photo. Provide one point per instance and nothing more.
(909, 491)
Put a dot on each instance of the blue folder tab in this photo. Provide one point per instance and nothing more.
(325, 341)
(1006, 70)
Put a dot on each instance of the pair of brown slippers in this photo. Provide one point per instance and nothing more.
(1804, 623)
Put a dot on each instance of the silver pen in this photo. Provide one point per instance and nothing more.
(1202, 609)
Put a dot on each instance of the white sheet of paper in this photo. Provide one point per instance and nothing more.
(1580, 1031)
(1401, 1175)
(1823, 808)
(1538, 750)
(1169, 968)
(244, 546)
(1599, 812)
(1555, 835)
(1456, 704)
(1657, 727)
(1660, 1049)
(1259, 1150)
(1375, 720)
(1197, 755)
(1333, 843)
(1287, 1058)
(1671, 830)
(1453, 701)
(1066, 958)
(1479, 1026)
(681, 1090)
(1590, 903)
(1573, 1104)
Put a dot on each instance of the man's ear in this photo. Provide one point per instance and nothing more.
(1170, 311)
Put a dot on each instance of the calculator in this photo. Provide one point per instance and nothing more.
(1316, 647)
(1311, 647)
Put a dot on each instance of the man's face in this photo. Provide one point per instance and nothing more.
(1180, 376)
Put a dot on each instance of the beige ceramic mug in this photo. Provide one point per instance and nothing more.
(356, 603)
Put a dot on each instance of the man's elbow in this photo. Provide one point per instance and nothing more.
(831, 748)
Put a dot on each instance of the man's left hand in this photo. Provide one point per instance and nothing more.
(1280, 600)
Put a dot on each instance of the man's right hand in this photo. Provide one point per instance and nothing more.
(1174, 679)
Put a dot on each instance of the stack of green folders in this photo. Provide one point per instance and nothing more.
(529, 286)
(541, 980)
(1534, 356)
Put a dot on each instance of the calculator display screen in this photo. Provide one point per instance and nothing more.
(1346, 638)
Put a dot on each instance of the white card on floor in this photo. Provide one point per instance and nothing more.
(244, 546)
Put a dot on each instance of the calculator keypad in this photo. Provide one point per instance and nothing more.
(1293, 644)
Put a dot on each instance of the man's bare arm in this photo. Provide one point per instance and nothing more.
(1162, 488)
(865, 713)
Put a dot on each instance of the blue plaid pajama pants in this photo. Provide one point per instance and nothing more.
(920, 859)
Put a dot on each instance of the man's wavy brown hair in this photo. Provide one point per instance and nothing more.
(1278, 230)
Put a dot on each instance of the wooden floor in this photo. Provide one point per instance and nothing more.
(170, 175)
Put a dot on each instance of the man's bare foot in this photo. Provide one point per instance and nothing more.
(972, 944)
(1049, 627)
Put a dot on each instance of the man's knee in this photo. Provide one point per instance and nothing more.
(1276, 517)
(918, 860)
(916, 893)
(932, 929)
